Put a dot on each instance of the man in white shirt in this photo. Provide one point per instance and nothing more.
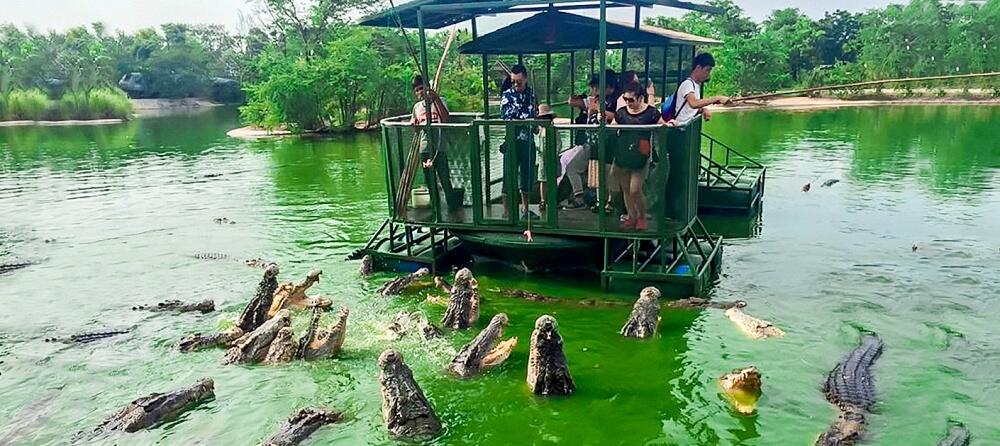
(689, 101)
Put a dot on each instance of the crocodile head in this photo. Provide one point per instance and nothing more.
(253, 346)
(548, 371)
(367, 265)
(742, 386)
(405, 409)
(645, 316)
(282, 348)
(150, 410)
(464, 277)
(485, 351)
(312, 277)
(319, 343)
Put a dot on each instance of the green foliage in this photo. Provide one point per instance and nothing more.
(24, 104)
(34, 104)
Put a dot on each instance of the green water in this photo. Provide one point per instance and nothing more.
(124, 208)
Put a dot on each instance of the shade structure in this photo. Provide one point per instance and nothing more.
(554, 32)
(441, 13)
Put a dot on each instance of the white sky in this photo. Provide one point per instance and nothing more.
(130, 15)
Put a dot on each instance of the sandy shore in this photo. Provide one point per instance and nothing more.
(252, 133)
(69, 122)
(806, 103)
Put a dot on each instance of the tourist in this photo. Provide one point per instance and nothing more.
(688, 102)
(518, 103)
(611, 98)
(634, 152)
(434, 160)
(631, 77)
(545, 113)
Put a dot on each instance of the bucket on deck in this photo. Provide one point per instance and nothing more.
(420, 198)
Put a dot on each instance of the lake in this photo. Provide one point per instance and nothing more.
(115, 215)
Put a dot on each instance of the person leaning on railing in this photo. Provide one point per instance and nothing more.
(433, 160)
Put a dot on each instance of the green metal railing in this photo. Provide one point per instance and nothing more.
(730, 171)
(473, 198)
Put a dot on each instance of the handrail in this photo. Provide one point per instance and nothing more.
(732, 151)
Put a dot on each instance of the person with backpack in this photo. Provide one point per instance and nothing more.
(687, 102)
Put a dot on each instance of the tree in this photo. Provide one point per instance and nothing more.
(798, 35)
(840, 33)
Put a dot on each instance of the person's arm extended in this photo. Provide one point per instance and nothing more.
(699, 103)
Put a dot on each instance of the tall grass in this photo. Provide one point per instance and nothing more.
(101, 103)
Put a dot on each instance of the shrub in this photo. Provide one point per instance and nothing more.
(26, 104)
(109, 103)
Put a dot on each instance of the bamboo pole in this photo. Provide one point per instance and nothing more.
(862, 84)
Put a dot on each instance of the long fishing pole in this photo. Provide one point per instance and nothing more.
(862, 84)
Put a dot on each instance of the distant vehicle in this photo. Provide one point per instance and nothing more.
(221, 89)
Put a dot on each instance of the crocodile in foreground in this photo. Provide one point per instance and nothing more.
(205, 306)
(256, 310)
(301, 425)
(199, 341)
(318, 343)
(151, 410)
(396, 286)
(851, 388)
(645, 315)
(463, 301)
(405, 409)
(253, 346)
(293, 296)
(742, 388)
(548, 372)
(751, 326)
(485, 351)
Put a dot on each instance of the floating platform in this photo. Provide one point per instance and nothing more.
(729, 182)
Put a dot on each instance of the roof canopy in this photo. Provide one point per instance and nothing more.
(441, 13)
(554, 32)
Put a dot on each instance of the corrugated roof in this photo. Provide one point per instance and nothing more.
(555, 31)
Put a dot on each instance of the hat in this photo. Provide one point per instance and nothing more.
(544, 111)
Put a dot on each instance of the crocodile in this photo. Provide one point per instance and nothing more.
(293, 296)
(405, 322)
(485, 351)
(396, 286)
(751, 326)
(699, 303)
(13, 266)
(205, 306)
(155, 408)
(535, 297)
(645, 315)
(256, 311)
(849, 386)
(463, 301)
(84, 338)
(367, 266)
(254, 262)
(957, 436)
(224, 221)
(253, 346)
(301, 425)
(829, 182)
(742, 388)
(199, 341)
(317, 343)
(282, 348)
(548, 372)
(405, 409)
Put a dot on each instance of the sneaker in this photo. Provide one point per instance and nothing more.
(627, 225)
(641, 225)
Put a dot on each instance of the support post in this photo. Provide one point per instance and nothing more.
(548, 78)
(602, 189)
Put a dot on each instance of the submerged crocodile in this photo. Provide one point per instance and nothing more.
(548, 372)
(256, 311)
(13, 266)
(367, 266)
(151, 410)
(645, 316)
(699, 303)
(254, 263)
(254, 345)
(205, 306)
(742, 388)
(535, 297)
(301, 425)
(463, 301)
(957, 436)
(292, 296)
(751, 326)
(405, 409)
(851, 388)
(317, 343)
(485, 351)
(84, 338)
(199, 341)
(829, 182)
(396, 286)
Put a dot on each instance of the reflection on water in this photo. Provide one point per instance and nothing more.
(113, 214)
